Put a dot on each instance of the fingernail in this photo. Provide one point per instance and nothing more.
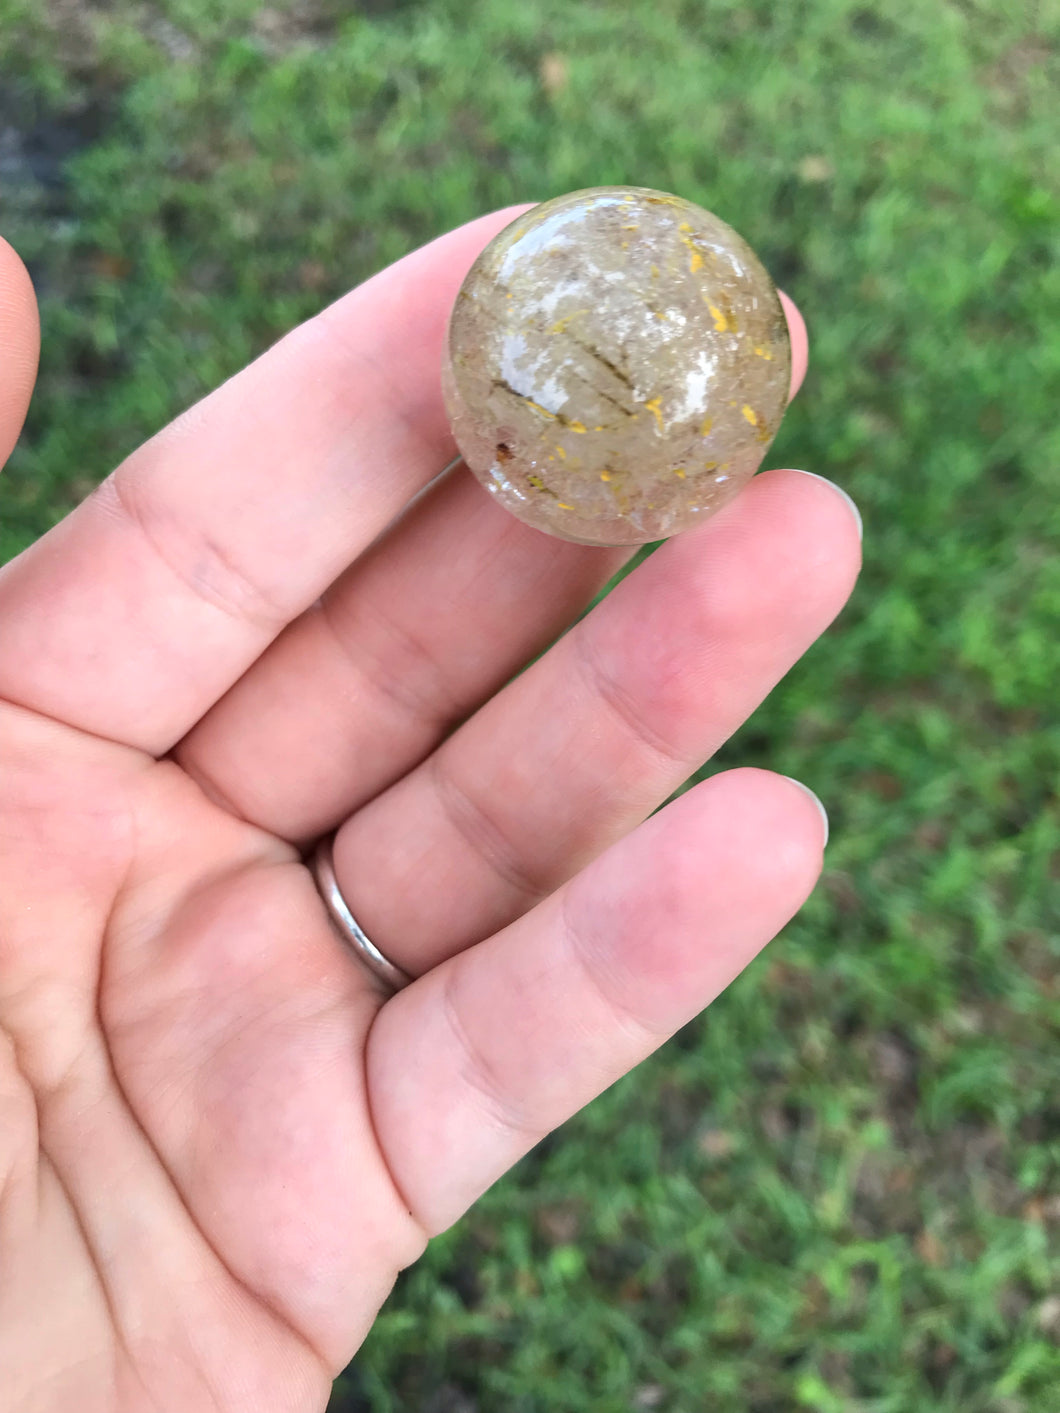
(813, 797)
(839, 492)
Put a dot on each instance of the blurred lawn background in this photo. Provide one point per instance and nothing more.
(839, 1191)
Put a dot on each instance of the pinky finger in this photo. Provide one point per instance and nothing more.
(475, 1062)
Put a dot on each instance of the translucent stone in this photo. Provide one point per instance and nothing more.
(617, 364)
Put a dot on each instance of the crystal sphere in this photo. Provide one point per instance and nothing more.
(616, 365)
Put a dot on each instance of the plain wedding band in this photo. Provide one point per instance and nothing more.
(322, 867)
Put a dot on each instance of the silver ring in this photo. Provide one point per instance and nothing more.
(322, 867)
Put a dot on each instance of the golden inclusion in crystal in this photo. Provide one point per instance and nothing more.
(616, 366)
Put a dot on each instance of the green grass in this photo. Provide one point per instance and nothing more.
(840, 1191)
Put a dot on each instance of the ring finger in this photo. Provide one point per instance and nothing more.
(582, 746)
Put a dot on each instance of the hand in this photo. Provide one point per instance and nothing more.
(220, 1140)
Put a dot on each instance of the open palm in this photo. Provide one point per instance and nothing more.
(219, 1138)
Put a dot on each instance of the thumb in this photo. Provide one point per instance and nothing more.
(19, 346)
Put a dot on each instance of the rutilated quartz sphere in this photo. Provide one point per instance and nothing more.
(616, 366)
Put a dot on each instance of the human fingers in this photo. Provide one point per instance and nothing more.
(474, 1063)
(800, 343)
(598, 732)
(19, 346)
(132, 616)
(418, 632)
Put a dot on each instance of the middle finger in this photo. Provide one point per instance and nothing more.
(418, 632)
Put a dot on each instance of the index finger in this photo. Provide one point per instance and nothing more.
(134, 614)
(19, 346)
